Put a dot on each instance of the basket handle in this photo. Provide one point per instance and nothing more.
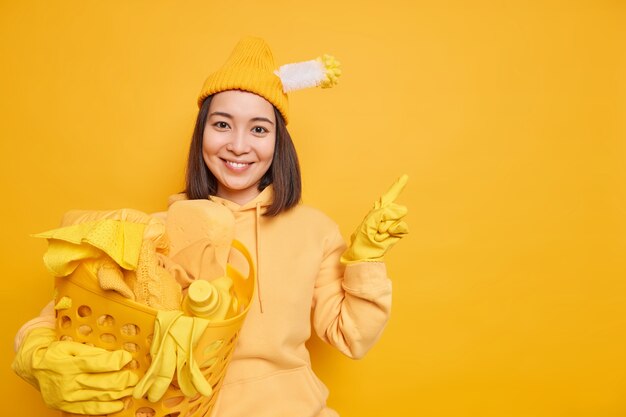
(242, 249)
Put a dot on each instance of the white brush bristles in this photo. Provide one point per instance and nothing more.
(301, 75)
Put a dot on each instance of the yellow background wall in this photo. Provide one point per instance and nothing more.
(509, 117)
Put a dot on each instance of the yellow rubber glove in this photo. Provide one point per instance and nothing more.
(175, 336)
(381, 228)
(74, 377)
(187, 333)
(163, 352)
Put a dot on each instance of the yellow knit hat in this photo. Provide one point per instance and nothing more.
(250, 67)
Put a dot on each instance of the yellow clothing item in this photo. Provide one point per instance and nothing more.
(251, 67)
(200, 233)
(299, 273)
(46, 319)
(70, 245)
(122, 248)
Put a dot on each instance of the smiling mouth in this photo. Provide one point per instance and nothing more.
(237, 165)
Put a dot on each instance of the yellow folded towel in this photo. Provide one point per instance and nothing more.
(70, 245)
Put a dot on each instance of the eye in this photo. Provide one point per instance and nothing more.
(259, 130)
(221, 125)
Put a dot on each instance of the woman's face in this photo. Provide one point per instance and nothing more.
(238, 143)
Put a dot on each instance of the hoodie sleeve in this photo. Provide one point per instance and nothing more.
(46, 318)
(351, 305)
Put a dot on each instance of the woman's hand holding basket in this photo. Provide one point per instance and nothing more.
(74, 377)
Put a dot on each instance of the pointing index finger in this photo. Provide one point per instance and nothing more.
(394, 191)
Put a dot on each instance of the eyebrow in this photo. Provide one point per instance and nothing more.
(229, 116)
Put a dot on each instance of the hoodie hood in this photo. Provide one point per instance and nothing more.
(263, 200)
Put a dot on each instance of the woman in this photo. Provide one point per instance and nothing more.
(242, 157)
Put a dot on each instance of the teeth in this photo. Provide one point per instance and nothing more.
(237, 164)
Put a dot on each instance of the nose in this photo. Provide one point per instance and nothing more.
(238, 143)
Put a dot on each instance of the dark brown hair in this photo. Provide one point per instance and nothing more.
(284, 173)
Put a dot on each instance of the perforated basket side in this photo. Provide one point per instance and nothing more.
(105, 319)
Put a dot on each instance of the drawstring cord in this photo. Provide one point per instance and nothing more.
(258, 258)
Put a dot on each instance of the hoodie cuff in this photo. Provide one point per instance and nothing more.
(366, 277)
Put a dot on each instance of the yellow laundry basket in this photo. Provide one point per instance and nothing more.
(106, 319)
